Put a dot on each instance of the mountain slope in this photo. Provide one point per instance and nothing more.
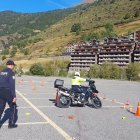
(12, 22)
(17, 26)
(92, 19)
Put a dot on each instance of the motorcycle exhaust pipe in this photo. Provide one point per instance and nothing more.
(63, 93)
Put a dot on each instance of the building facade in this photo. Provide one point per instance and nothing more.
(117, 50)
(84, 56)
(137, 53)
(70, 48)
(121, 51)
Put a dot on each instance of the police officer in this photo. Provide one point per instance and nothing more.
(7, 92)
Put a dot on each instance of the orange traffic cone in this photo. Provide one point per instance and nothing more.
(33, 87)
(138, 110)
(70, 117)
(104, 97)
(42, 83)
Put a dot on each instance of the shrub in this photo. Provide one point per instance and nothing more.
(13, 51)
(133, 71)
(37, 69)
(110, 71)
(127, 16)
(94, 71)
(137, 13)
(2, 67)
(84, 73)
(56, 68)
(3, 57)
(27, 73)
(5, 52)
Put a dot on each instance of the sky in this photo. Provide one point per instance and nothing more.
(32, 6)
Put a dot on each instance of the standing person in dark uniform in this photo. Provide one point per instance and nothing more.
(7, 92)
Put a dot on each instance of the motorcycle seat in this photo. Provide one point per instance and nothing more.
(64, 89)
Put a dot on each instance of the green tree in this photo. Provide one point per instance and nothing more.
(109, 30)
(76, 27)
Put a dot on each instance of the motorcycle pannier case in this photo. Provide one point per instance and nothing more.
(58, 83)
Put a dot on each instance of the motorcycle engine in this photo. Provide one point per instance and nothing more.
(82, 97)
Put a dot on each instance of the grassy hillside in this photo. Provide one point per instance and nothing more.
(124, 14)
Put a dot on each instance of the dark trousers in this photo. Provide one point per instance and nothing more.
(6, 97)
(76, 89)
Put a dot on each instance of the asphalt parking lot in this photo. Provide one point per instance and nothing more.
(40, 119)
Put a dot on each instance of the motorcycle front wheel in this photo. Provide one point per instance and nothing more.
(63, 101)
(96, 102)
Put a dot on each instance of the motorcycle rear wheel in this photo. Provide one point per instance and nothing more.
(63, 101)
(96, 102)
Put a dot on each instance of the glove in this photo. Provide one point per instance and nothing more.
(88, 80)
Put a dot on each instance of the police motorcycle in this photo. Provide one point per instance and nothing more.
(66, 97)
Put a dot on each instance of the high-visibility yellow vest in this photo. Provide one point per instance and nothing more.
(77, 80)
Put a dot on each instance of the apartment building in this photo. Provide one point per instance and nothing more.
(117, 50)
(135, 36)
(137, 53)
(70, 48)
(84, 56)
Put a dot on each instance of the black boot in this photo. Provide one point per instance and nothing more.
(12, 126)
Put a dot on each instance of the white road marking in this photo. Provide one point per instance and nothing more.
(24, 107)
(120, 103)
(112, 106)
(30, 123)
(36, 98)
(29, 93)
(55, 126)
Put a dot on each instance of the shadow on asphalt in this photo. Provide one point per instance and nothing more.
(131, 112)
(52, 100)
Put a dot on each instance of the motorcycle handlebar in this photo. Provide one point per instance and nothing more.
(89, 80)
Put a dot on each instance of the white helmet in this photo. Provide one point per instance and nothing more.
(77, 73)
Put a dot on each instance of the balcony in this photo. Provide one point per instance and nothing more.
(136, 54)
(118, 55)
(77, 58)
(83, 61)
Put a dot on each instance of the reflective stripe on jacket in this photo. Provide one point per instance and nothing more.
(77, 80)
